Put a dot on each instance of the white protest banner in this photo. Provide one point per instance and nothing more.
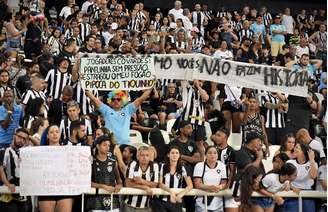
(116, 72)
(262, 77)
(55, 170)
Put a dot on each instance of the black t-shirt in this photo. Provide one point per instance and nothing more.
(243, 157)
(189, 149)
(23, 83)
(171, 107)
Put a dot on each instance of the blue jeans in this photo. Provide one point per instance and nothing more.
(291, 205)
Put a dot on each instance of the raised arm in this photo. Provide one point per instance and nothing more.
(93, 99)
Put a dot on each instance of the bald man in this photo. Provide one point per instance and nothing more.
(303, 136)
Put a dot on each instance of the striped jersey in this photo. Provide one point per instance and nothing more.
(275, 118)
(56, 82)
(151, 174)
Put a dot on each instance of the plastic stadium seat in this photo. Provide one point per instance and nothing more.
(234, 140)
(135, 136)
(169, 125)
(273, 149)
(268, 166)
(208, 132)
(166, 136)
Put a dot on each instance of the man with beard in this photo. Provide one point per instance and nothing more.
(78, 136)
(9, 171)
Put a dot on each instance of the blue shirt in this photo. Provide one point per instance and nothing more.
(277, 37)
(310, 68)
(6, 135)
(257, 29)
(118, 121)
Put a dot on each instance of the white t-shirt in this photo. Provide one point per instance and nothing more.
(232, 93)
(272, 183)
(223, 54)
(302, 50)
(288, 21)
(176, 13)
(65, 12)
(317, 146)
(322, 175)
(303, 180)
(85, 6)
(211, 177)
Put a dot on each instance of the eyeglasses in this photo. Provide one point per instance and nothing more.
(116, 99)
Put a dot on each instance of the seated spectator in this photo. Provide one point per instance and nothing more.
(37, 128)
(223, 52)
(287, 146)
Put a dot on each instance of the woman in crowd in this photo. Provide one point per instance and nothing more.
(250, 181)
(54, 43)
(54, 203)
(172, 175)
(37, 128)
(271, 183)
(307, 170)
(210, 176)
(288, 146)
(105, 175)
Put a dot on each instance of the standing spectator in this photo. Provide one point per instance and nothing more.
(199, 19)
(32, 47)
(9, 171)
(118, 114)
(142, 174)
(272, 183)
(277, 106)
(307, 170)
(24, 82)
(54, 203)
(245, 32)
(89, 45)
(86, 5)
(78, 135)
(58, 78)
(73, 111)
(259, 29)
(319, 39)
(278, 32)
(226, 155)
(253, 121)
(177, 10)
(289, 23)
(189, 154)
(210, 176)
(302, 48)
(172, 100)
(10, 116)
(105, 175)
(171, 176)
(250, 182)
(54, 43)
(33, 95)
(5, 84)
(267, 18)
(67, 10)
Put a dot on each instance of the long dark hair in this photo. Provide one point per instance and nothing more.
(167, 165)
(305, 149)
(246, 186)
(284, 141)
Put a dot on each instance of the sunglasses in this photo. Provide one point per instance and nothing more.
(116, 99)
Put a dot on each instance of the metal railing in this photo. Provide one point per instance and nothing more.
(193, 192)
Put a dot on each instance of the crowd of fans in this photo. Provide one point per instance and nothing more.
(42, 102)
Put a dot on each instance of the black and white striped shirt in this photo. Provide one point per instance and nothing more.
(223, 14)
(267, 19)
(237, 26)
(56, 83)
(33, 94)
(208, 14)
(84, 101)
(134, 24)
(245, 33)
(141, 16)
(10, 162)
(156, 24)
(181, 44)
(193, 106)
(172, 180)
(274, 118)
(68, 33)
(85, 29)
(65, 125)
(8, 88)
(151, 174)
(94, 12)
(197, 43)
